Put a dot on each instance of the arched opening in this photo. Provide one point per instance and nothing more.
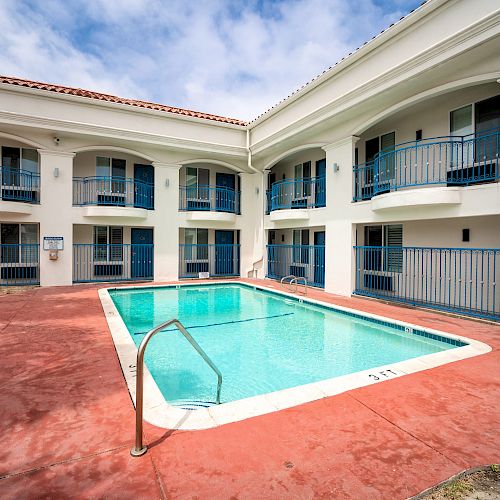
(297, 180)
(209, 186)
(113, 177)
(447, 139)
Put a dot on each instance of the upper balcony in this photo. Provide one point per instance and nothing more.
(102, 195)
(445, 162)
(18, 185)
(297, 195)
(206, 202)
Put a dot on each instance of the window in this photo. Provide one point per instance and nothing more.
(461, 121)
(19, 243)
(300, 240)
(378, 145)
(388, 259)
(111, 172)
(194, 238)
(16, 159)
(197, 183)
(108, 243)
(302, 180)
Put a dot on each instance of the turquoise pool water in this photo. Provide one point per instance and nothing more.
(260, 341)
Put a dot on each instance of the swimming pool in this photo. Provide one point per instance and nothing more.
(265, 343)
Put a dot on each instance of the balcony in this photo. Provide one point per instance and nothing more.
(295, 196)
(212, 260)
(120, 262)
(21, 186)
(304, 261)
(430, 163)
(461, 280)
(113, 196)
(209, 202)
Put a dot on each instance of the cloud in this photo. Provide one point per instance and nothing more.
(229, 57)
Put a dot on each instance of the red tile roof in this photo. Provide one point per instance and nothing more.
(111, 98)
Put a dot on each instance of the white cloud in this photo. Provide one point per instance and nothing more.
(229, 57)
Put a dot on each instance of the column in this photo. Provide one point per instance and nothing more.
(56, 200)
(166, 231)
(340, 230)
(251, 225)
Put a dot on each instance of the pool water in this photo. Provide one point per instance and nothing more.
(260, 341)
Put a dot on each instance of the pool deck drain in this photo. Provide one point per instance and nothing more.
(68, 422)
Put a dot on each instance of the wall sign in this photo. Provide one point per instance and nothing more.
(53, 243)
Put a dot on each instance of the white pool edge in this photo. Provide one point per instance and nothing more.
(158, 412)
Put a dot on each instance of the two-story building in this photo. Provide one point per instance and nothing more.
(380, 177)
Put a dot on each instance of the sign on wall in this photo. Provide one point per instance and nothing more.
(53, 243)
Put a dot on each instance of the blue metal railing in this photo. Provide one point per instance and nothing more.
(305, 261)
(309, 192)
(214, 259)
(209, 198)
(448, 161)
(112, 262)
(19, 185)
(113, 191)
(19, 264)
(462, 280)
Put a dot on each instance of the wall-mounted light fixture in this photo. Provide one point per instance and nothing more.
(336, 167)
(167, 183)
(257, 191)
(56, 172)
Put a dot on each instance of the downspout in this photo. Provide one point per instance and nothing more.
(258, 255)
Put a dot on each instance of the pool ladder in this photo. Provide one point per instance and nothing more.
(140, 448)
(292, 279)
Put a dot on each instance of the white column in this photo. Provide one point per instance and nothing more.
(166, 231)
(251, 224)
(340, 231)
(56, 200)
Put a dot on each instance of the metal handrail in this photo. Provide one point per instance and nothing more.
(141, 448)
(290, 277)
(296, 279)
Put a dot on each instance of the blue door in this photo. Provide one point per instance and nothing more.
(320, 196)
(142, 253)
(224, 253)
(319, 258)
(224, 194)
(144, 177)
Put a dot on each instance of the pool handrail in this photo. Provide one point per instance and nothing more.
(294, 279)
(140, 448)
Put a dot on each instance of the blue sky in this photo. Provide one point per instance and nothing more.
(231, 57)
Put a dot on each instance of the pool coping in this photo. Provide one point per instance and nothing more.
(158, 412)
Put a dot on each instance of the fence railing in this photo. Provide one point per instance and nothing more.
(19, 264)
(19, 185)
(214, 259)
(309, 192)
(209, 198)
(447, 161)
(461, 280)
(125, 262)
(113, 191)
(304, 261)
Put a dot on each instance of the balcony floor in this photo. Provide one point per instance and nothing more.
(69, 423)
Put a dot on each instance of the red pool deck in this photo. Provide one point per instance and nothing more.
(67, 421)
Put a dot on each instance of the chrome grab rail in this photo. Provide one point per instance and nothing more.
(141, 448)
(289, 277)
(294, 280)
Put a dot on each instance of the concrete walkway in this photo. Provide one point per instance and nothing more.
(67, 421)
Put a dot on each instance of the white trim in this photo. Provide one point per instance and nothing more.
(158, 412)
